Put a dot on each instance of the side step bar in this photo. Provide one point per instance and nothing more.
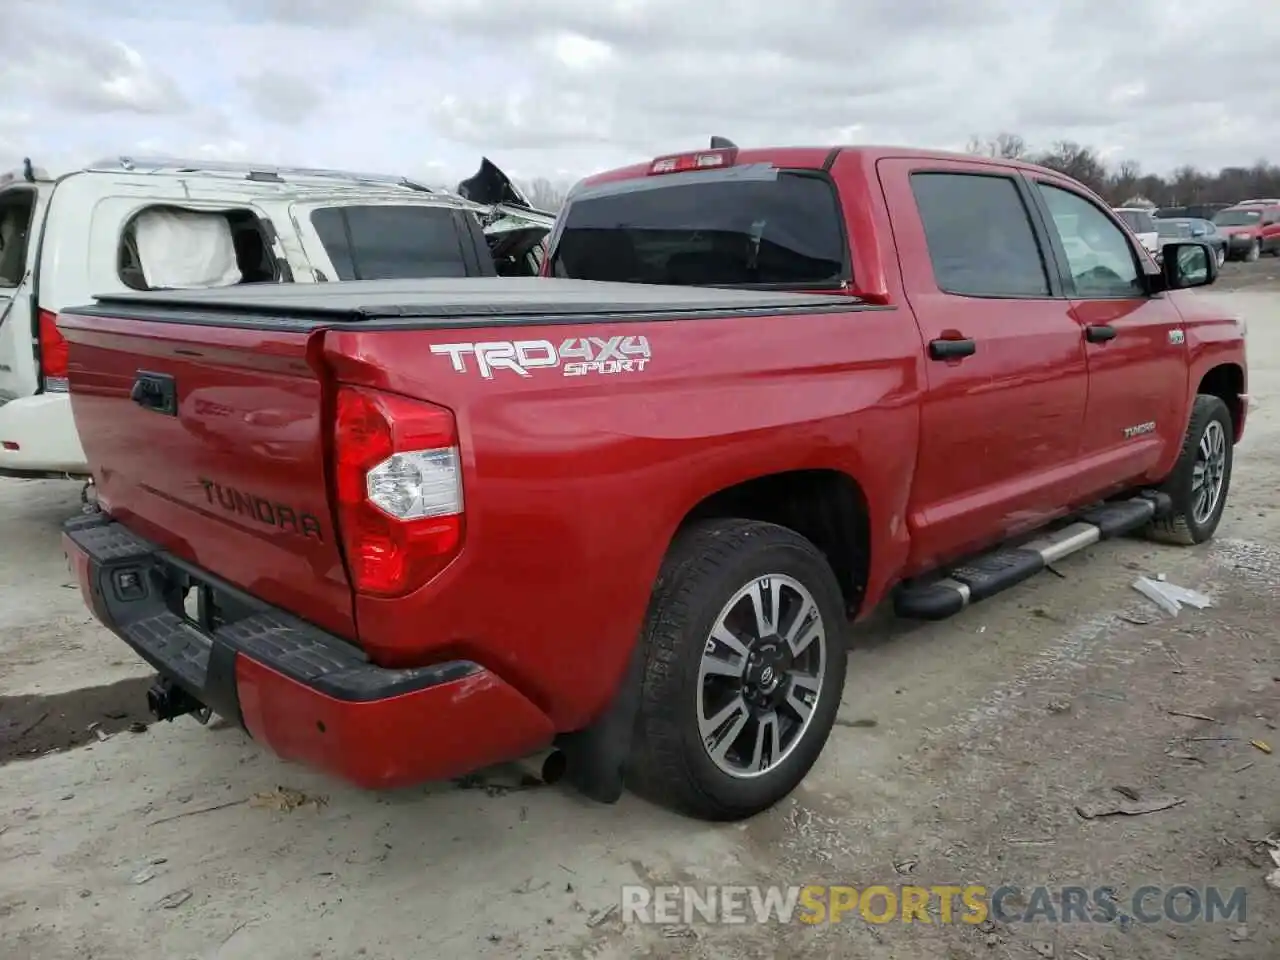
(990, 573)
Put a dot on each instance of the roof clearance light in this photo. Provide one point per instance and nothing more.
(702, 160)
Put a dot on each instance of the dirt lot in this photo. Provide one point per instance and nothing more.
(962, 753)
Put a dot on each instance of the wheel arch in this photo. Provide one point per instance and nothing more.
(1226, 382)
(825, 506)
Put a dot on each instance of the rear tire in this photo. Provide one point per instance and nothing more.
(1222, 257)
(1200, 481)
(745, 656)
(1254, 252)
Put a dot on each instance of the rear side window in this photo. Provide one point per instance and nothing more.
(16, 207)
(783, 232)
(391, 242)
(979, 234)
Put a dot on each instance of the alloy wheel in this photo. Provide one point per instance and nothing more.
(760, 675)
(1209, 472)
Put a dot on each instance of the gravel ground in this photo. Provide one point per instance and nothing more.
(962, 751)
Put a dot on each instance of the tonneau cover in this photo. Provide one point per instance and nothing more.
(472, 296)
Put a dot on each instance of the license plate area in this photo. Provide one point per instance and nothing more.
(198, 606)
(204, 605)
(191, 599)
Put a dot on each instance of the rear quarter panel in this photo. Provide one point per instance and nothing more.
(575, 485)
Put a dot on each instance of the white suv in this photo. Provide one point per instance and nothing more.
(144, 224)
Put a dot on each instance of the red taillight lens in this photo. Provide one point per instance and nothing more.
(54, 351)
(702, 160)
(399, 486)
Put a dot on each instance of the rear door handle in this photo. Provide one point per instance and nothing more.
(155, 391)
(951, 349)
(1099, 332)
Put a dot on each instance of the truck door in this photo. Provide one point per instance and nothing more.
(1135, 344)
(1004, 357)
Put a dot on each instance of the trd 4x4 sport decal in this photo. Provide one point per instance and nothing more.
(575, 357)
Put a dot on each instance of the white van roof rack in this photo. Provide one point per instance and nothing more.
(25, 174)
(262, 172)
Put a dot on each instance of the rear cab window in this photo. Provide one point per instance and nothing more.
(390, 242)
(781, 229)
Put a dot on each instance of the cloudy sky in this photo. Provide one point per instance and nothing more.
(559, 88)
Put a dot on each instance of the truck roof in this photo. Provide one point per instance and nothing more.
(812, 157)
(480, 300)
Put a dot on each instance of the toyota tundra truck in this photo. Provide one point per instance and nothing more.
(628, 512)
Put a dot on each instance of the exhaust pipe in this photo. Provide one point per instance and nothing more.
(546, 767)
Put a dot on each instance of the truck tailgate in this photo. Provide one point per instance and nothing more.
(210, 442)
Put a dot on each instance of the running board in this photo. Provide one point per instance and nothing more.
(990, 573)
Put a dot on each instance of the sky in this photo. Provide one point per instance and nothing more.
(562, 88)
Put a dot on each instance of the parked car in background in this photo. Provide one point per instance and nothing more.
(1203, 211)
(1193, 229)
(1143, 225)
(138, 223)
(1250, 228)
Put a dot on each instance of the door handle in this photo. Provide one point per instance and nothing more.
(155, 391)
(951, 349)
(1099, 332)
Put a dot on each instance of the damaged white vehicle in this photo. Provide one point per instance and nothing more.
(139, 223)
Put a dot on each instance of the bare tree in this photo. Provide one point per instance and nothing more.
(1126, 181)
(1007, 146)
(544, 194)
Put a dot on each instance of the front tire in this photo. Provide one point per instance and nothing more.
(1222, 256)
(1255, 251)
(744, 648)
(1199, 482)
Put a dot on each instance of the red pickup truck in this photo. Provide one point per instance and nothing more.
(402, 530)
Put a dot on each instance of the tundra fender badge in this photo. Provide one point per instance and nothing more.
(1138, 429)
(1177, 337)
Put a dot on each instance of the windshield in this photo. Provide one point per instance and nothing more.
(1138, 221)
(781, 232)
(1237, 218)
(1173, 228)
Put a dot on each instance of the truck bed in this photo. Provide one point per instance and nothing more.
(457, 303)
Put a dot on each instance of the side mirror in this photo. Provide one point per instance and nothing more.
(1188, 264)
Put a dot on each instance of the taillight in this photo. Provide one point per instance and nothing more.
(702, 160)
(54, 352)
(399, 487)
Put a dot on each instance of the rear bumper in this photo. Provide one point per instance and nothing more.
(38, 438)
(306, 694)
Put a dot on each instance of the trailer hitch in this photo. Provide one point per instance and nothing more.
(168, 701)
